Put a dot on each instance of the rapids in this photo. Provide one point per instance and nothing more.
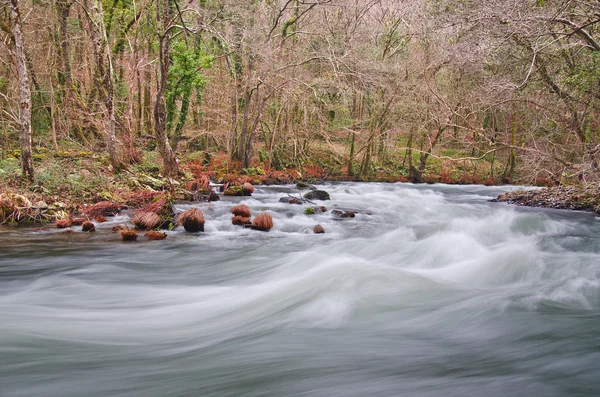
(430, 291)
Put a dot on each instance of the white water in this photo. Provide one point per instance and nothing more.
(430, 290)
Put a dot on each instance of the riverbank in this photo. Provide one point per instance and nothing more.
(579, 198)
(68, 182)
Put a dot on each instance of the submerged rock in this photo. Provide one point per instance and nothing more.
(317, 195)
(343, 214)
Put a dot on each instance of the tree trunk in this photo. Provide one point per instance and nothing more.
(63, 13)
(170, 168)
(24, 93)
(104, 76)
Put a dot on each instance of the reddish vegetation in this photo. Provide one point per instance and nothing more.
(100, 219)
(263, 222)
(141, 198)
(64, 223)
(78, 221)
(241, 210)
(318, 229)
(161, 207)
(200, 183)
(154, 235)
(248, 189)
(240, 220)
(146, 220)
(88, 226)
(105, 208)
(192, 220)
(128, 235)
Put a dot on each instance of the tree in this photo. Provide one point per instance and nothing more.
(24, 92)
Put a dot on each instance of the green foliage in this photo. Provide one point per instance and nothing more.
(586, 76)
(185, 77)
(309, 211)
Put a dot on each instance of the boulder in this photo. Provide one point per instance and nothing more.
(234, 191)
(192, 220)
(317, 195)
(263, 222)
(318, 229)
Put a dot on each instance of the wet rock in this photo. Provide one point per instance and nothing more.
(88, 226)
(318, 229)
(317, 195)
(146, 220)
(64, 223)
(78, 221)
(104, 208)
(128, 235)
(234, 191)
(240, 221)
(100, 218)
(154, 235)
(241, 210)
(192, 220)
(247, 189)
(304, 186)
(581, 198)
(263, 222)
(343, 214)
(290, 200)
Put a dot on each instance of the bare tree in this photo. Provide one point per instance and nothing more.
(24, 92)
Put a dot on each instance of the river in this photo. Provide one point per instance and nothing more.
(429, 291)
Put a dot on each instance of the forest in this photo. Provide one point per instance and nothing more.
(492, 92)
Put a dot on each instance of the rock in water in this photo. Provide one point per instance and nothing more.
(146, 220)
(128, 235)
(64, 223)
(304, 185)
(317, 195)
(88, 227)
(240, 221)
(154, 235)
(290, 200)
(105, 208)
(248, 189)
(241, 210)
(263, 222)
(192, 220)
(318, 229)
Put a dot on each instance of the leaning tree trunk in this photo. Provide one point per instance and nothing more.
(104, 76)
(170, 168)
(24, 93)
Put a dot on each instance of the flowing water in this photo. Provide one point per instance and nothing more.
(429, 291)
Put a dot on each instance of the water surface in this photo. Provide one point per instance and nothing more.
(429, 291)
